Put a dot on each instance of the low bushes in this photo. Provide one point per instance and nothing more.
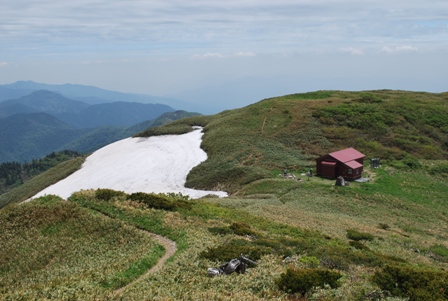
(171, 129)
(106, 194)
(237, 228)
(220, 230)
(170, 201)
(439, 170)
(358, 245)
(263, 245)
(161, 201)
(303, 280)
(340, 257)
(417, 285)
(357, 236)
(234, 249)
(240, 228)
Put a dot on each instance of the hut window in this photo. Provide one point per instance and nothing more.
(349, 171)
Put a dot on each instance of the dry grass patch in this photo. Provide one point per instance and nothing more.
(53, 249)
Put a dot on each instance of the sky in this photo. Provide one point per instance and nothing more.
(230, 52)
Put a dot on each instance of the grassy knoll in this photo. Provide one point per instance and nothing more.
(244, 145)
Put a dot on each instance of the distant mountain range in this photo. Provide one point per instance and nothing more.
(88, 94)
(81, 114)
(205, 102)
(41, 122)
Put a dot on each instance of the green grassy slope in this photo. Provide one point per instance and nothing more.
(52, 249)
(291, 131)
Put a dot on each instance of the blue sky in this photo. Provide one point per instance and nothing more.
(239, 51)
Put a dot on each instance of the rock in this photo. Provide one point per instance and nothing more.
(340, 181)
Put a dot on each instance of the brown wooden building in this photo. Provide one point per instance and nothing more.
(347, 163)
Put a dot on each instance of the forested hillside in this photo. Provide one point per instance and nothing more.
(33, 125)
(13, 174)
(46, 102)
(25, 137)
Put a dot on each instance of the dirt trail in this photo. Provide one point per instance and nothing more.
(170, 249)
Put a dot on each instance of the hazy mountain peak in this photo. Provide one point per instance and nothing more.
(49, 102)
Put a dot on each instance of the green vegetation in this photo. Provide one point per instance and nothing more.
(289, 132)
(176, 128)
(13, 174)
(385, 239)
(170, 202)
(357, 236)
(39, 182)
(53, 249)
(415, 284)
(303, 280)
(394, 125)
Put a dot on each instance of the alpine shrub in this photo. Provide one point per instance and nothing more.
(152, 200)
(383, 226)
(417, 285)
(234, 249)
(170, 201)
(220, 230)
(241, 228)
(303, 280)
(105, 194)
(356, 235)
(237, 228)
(358, 245)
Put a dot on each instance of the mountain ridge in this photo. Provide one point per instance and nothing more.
(48, 102)
(88, 94)
(28, 120)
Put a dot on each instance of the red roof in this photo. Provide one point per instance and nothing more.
(353, 164)
(347, 155)
(328, 163)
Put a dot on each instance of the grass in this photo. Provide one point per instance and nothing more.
(56, 249)
(278, 227)
(289, 132)
(135, 270)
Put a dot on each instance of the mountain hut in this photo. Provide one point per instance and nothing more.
(347, 163)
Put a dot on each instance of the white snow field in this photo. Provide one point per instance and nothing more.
(156, 164)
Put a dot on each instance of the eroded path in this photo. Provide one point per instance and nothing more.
(170, 248)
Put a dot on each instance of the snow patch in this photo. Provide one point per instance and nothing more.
(156, 164)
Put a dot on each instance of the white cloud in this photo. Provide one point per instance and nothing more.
(352, 50)
(209, 55)
(218, 55)
(244, 54)
(226, 38)
(173, 25)
(399, 48)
